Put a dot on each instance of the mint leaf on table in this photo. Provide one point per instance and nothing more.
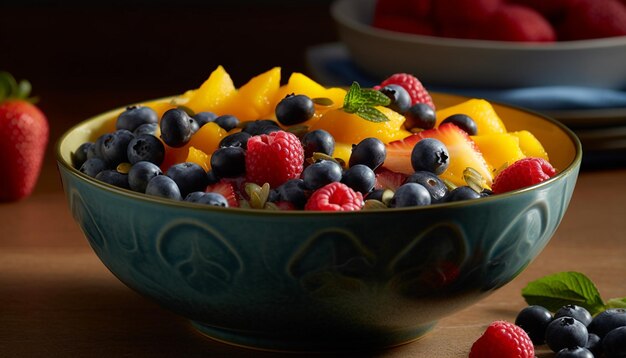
(557, 290)
(362, 102)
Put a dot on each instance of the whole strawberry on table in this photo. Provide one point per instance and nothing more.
(24, 134)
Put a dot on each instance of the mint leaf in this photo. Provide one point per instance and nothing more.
(372, 114)
(616, 303)
(362, 102)
(374, 98)
(555, 291)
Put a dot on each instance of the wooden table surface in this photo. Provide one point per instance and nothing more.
(58, 299)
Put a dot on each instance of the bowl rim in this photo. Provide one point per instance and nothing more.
(349, 20)
(573, 166)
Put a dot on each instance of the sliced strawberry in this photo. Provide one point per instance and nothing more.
(227, 190)
(463, 153)
(386, 179)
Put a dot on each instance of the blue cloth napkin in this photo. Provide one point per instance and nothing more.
(331, 65)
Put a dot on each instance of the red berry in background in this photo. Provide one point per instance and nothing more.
(403, 23)
(524, 172)
(465, 11)
(335, 196)
(24, 135)
(503, 340)
(589, 19)
(416, 89)
(274, 158)
(518, 23)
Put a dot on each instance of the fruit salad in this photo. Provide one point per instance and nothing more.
(302, 146)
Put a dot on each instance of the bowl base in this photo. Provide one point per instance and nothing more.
(311, 342)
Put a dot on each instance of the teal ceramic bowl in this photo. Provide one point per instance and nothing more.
(320, 281)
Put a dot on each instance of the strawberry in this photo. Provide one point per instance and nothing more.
(463, 153)
(416, 89)
(24, 133)
(386, 179)
(503, 340)
(524, 172)
(588, 19)
(274, 158)
(518, 23)
(226, 189)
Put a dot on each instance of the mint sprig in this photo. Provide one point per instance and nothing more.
(362, 102)
(11, 89)
(560, 289)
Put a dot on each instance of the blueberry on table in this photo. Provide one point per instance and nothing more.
(140, 174)
(228, 162)
(431, 155)
(176, 128)
(318, 141)
(359, 178)
(463, 121)
(420, 115)
(566, 332)
(145, 147)
(400, 98)
(370, 151)
(114, 177)
(614, 343)
(608, 320)
(227, 122)
(574, 311)
(435, 186)
(594, 344)
(321, 173)
(164, 187)
(93, 166)
(534, 320)
(239, 139)
(135, 116)
(188, 176)
(410, 194)
(294, 109)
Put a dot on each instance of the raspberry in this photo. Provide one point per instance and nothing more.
(274, 158)
(518, 23)
(335, 197)
(416, 90)
(503, 339)
(524, 172)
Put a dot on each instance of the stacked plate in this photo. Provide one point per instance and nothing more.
(581, 83)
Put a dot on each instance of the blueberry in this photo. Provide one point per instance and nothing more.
(113, 147)
(435, 186)
(146, 147)
(211, 177)
(461, 193)
(203, 118)
(293, 191)
(80, 155)
(370, 151)
(430, 154)
(188, 176)
(420, 115)
(294, 109)
(140, 174)
(534, 320)
(465, 122)
(163, 186)
(576, 352)
(148, 128)
(321, 173)
(410, 194)
(318, 141)
(239, 139)
(594, 344)
(485, 193)
(227, 122)
(579, 313)
(607, 321)
(360, 178)
(93, 166)
(200, 197)
(376, 194)
(176, 127)
(566, 332)
(400, 98)
(134, 116)
(91, 150)
(614, 343)
(260, 126)
(228, 162)
(113, 177)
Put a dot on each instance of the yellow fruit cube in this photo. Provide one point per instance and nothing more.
(214, 94)
(481, 111)
(199, 157)
(530, 145)
(207, 138)
(499, 149)
(342, 151)
(254, 99)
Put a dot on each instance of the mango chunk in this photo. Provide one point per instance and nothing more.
(481, 111)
